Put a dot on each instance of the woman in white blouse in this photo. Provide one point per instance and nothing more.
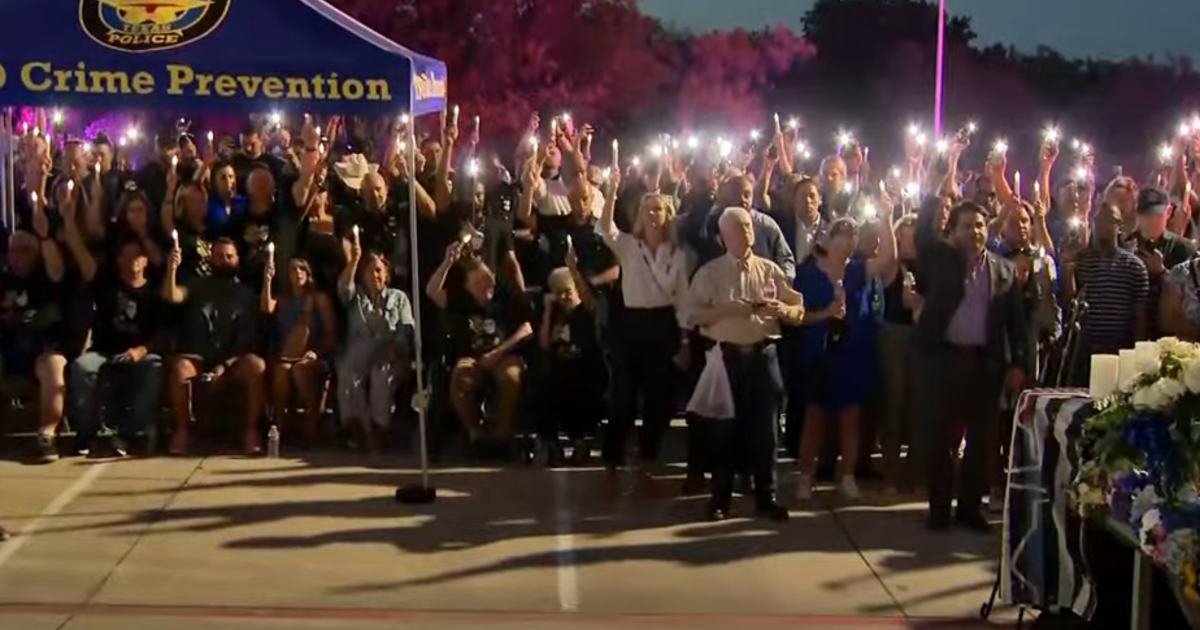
(650, 333)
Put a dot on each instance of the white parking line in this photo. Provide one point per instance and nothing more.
(10, 547)
(564, 543)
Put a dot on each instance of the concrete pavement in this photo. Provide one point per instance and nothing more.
(319, 543)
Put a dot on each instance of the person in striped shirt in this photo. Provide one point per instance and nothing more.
(1116, 287)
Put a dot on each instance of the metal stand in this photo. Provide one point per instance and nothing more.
(422, 492)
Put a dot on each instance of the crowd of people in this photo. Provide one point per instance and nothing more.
(832, 315)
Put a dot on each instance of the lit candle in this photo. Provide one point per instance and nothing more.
(33, 196)
(174, 161)
(1017, 184)
(1103, 381)
(97, 167)
(1037, 190)
(616, 156)
(70, 186)
(24, 128)
(271, 251)
(867, 154)
(454, 116)
(476, 132)
(210, 137)
(355, 230)
(175, 238)
(776, 117)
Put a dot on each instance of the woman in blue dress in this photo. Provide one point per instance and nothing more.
(836, 348)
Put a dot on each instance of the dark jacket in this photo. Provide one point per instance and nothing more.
(219, 319)
(943, 285)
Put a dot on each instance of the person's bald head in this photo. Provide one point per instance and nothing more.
(736, 191)
(373, 190)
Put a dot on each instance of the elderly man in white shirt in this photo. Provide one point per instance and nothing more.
(739, 301)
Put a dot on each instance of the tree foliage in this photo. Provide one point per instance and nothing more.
(868, 63)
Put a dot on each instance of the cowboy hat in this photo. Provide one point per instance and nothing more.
(353, 168)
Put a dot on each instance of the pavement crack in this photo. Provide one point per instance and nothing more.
(841, 525)
(150, 523)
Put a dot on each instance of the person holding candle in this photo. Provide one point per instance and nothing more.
(217, 341)
(970, 346)
(127, 334)
(305, 339)
(378, 347)
(836, 346)
(739, 302)
(1159, 247)
(32, 321)
(651, 333)
(224, 201)
(252, 230)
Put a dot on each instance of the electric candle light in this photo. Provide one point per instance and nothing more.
(693, 142)
(96, 167)
(921, 139)
(776, 118)
(271, 250)
(913, 129)
(1017, 184)
(754, 134)
(636, 161)
(616, 154)
(912, 189)
(476, 126)
(793, 123)
(1050, 136)
(1165, 153)
(844, 139)
(1184, 130)
(1037, 190)
(33, 196)
(606, 173)
(895, 173)
(404, 119)
(848, 187)
(473, 168)
(1104, 376)
(566, 117)
(454, 115)
(1000, 147)
(132, 133)
(869, 211)
(174, 161)
(37, 131)
(942, 146)
(70, 186)
(1082, 174)
(355, 230)
(175, 238)
(276, 118)
(57, 117)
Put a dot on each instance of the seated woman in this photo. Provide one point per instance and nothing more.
(379, 337)
(575, 376)
(485, 331)
(307, 334)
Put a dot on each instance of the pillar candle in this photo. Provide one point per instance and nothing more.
(1103, 381)
(1126, 368)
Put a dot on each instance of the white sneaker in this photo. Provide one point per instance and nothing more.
(804, 489)
(849, 488)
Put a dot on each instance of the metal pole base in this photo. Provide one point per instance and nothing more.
(416, 494)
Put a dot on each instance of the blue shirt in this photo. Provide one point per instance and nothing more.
(218, 215)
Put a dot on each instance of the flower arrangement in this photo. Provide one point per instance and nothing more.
(1140, 457)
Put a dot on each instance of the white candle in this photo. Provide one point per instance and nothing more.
(70, 185)
(174, 161)
(175, 238)
(33, 196)
(1103, 380)
(1017, 184)
(355, 230)
(271, 250)
(1126, 368)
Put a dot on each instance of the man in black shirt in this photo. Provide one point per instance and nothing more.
(31, 324)
(125, 331)
(217, 327)
(152, 178)
(253, 153)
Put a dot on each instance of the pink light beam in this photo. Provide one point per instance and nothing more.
(940, 70)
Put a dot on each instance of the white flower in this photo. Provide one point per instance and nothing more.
(1142, 501)
(1177, 348)
(1150, 520)
(1159, 394)
(1190, 373)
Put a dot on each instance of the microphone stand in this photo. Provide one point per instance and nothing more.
(1070, 347)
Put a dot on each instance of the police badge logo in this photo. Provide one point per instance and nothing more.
(138, 26)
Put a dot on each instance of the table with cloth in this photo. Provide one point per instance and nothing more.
(1052, 561)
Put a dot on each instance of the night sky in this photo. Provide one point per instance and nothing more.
(1112, 29)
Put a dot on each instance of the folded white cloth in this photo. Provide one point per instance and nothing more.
(713, 396)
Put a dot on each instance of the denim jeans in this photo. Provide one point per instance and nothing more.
(146, 385)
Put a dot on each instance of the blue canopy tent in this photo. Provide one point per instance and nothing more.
(248, 55)
(251, 56)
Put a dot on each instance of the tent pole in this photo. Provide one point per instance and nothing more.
(424, 492)
(4, 140)
(9, 201)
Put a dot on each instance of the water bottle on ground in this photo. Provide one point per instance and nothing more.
(273, 442)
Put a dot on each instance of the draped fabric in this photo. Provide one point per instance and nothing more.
(1041, 563)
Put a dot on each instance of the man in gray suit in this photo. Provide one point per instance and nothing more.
(970, 346)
